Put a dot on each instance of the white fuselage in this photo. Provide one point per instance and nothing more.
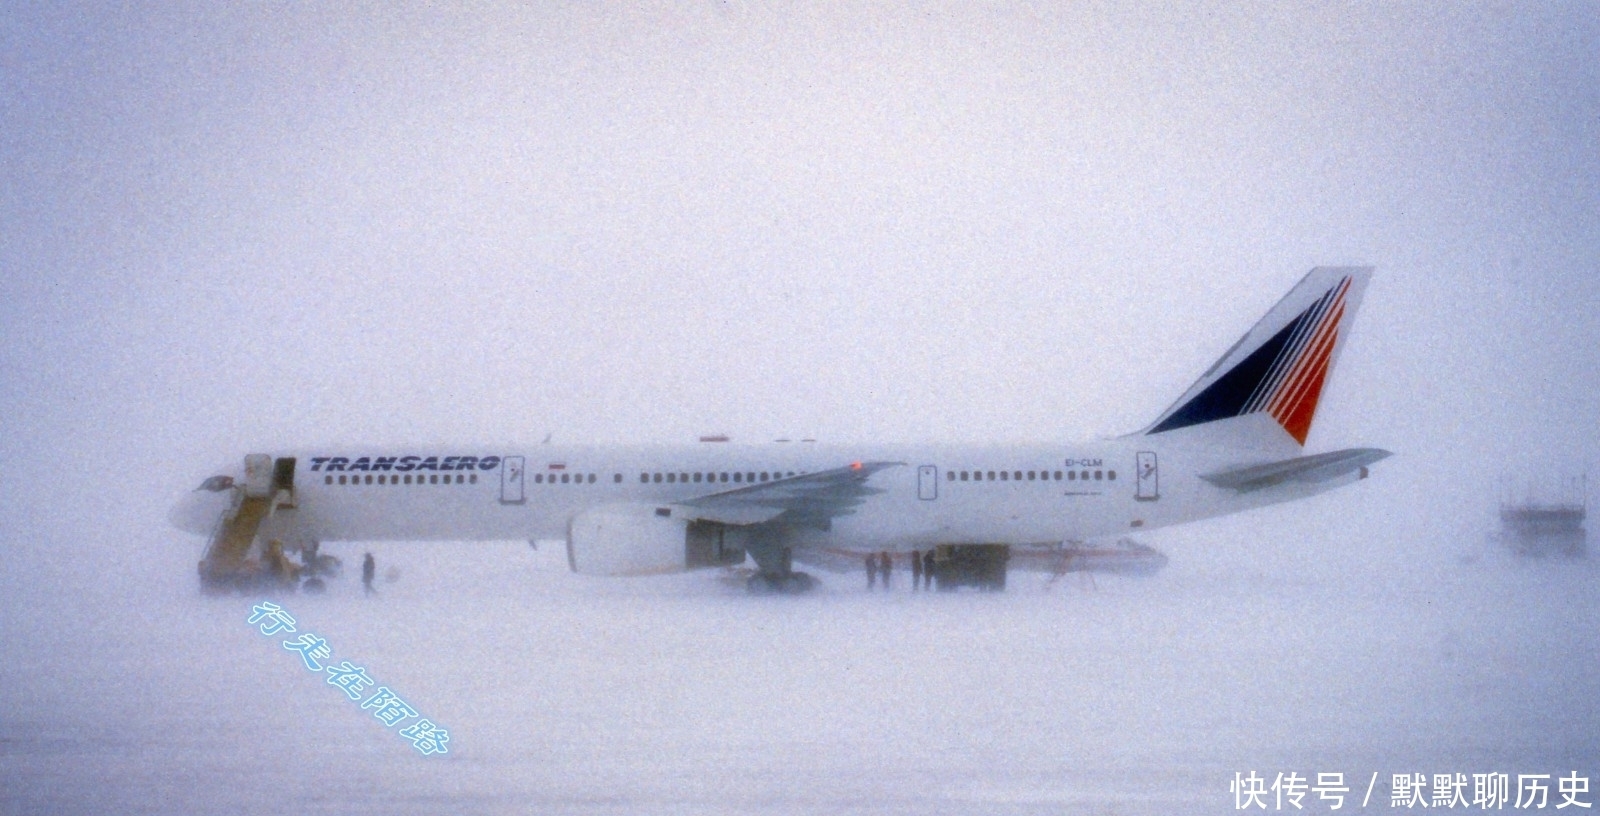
(1233, 441)
(941, 494)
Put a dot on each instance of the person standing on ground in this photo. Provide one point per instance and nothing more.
(927, 570)
(916, 570)
(872, 571)
(369, 568)
(886, 566)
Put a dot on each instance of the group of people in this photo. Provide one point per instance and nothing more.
(882, 565)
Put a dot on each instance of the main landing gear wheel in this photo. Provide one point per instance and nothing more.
(792, 584)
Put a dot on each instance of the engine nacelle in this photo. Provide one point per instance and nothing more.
(647, 539)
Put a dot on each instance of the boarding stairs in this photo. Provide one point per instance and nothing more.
(268, 489)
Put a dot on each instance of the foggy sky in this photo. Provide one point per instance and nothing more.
(225, 230)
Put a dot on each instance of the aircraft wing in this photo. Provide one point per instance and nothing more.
(813, 499)
(1319, 467)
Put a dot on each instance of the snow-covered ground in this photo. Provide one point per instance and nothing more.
(232, 228)
(564, 694)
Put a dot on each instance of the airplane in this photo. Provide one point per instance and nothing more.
(1235, 440)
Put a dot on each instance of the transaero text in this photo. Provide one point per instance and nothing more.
(404, 463)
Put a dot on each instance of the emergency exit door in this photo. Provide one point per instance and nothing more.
(1149, 478)
(511, 479)
(927, 482)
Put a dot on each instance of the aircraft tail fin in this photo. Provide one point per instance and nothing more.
(1279, 368)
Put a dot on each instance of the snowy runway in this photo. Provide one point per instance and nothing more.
(563, 694)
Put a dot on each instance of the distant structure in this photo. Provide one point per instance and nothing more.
(1535, 529)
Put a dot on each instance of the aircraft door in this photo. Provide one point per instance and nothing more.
(1149, 478)
(928, 482)
(511, 480)
(283, 473)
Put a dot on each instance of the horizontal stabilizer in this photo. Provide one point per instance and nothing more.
(1320, 467)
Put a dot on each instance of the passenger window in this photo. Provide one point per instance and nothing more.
(749, 477)
(327, 480)
(991, 475)
(1098, 475)
(655, 477)
(672, 478)
(591, 478)
(1083, 475)
(1017, 476)
(949, 475)
(1072, 475)
(1111, 475)
(473, 478)
(1004, 476)
(698, 477)
(763, 476)
(341, 478)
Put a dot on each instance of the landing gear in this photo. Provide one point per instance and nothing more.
(975, 565)
(776, 574)
(794, 583)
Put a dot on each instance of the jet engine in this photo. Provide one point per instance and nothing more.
(645, 539)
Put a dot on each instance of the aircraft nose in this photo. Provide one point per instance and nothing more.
(198, 511)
